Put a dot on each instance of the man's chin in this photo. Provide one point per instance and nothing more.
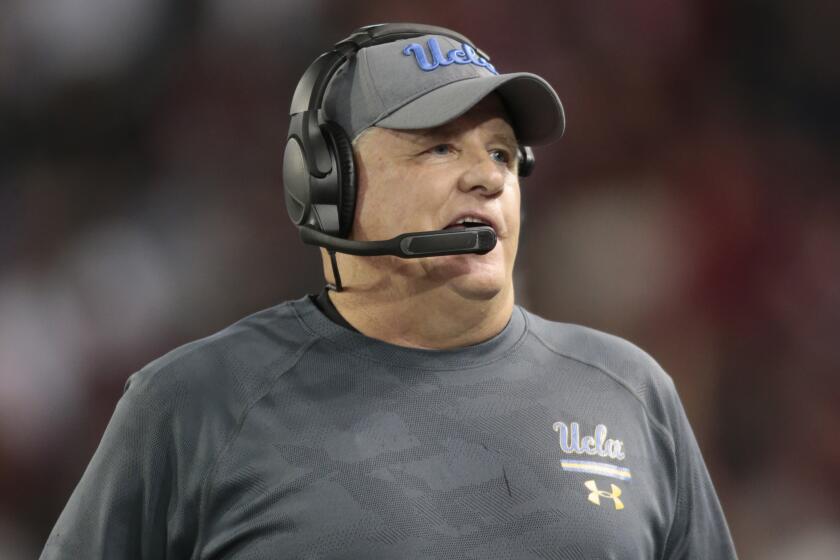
(484, 294)
(477, 277)
(477, 286)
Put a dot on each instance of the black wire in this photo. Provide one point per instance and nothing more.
(337, 286)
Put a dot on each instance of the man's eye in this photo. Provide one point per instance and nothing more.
(441, 149)
(502, 156)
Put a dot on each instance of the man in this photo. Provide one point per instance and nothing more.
(417, 412)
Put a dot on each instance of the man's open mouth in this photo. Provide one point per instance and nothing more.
(469, 222)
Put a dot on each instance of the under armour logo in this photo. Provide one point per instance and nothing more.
(595, 495)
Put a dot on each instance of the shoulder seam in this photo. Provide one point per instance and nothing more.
(302, 322)
(654, 422)
(208, 477)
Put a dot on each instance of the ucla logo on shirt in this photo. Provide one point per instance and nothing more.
(597, 445)
(435, 59)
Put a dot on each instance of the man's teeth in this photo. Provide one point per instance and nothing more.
(472, 220)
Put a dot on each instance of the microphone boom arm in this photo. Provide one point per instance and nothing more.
(454, 241)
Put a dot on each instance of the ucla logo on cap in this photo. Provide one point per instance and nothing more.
(465, 55)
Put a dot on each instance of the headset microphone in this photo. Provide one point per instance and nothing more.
(453, 241)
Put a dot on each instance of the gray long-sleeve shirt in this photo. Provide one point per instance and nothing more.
(289, 436)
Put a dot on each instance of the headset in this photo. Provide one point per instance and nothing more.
(319, 178)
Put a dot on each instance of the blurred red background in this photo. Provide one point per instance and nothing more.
(692, 208)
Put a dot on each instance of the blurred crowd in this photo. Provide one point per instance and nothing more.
(692, 208)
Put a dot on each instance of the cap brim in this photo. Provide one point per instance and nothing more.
(532, 104)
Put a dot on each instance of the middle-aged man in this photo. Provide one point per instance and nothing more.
(414, 411)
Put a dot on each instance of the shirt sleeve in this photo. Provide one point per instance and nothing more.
(699, 530)
(119, 507)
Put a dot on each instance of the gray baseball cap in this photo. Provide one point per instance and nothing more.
(430, 80)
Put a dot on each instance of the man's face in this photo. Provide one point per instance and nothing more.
(425, 180)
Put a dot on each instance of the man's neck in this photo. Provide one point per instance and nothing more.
(433, 319)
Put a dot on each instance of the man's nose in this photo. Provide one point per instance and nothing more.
(483, 174)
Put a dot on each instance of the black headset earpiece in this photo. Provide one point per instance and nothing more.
(526, 161)
(343, 150)
(319, 179)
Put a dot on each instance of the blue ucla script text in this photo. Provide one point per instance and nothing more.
(598, 444)
(465, 55)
